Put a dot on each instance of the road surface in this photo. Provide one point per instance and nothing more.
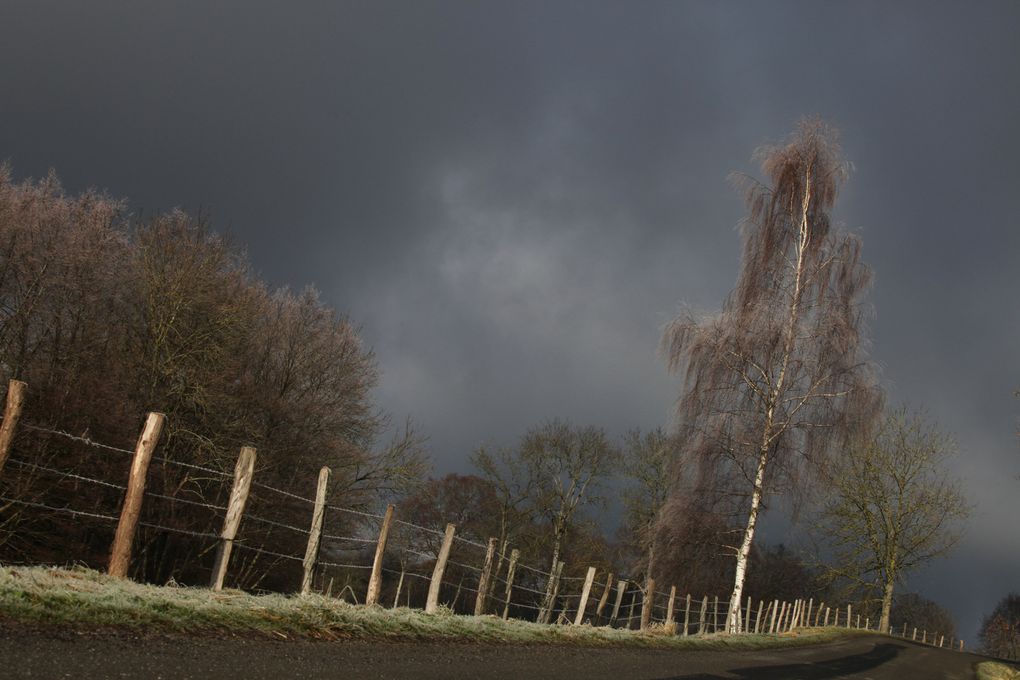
(47, 654)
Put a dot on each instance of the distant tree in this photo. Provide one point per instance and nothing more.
(893, 506)
(1000, 632)
(777, 380)
(646, 461)
(914, 611)
(554, 472)
(778, 573)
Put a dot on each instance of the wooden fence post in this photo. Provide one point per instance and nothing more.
(483, 579)
(687, 613)
(375, 581)
(315, 532)
(648, 603)
(961, 645)
(244, 470)
(858, 622)
(585, 591)
(818, 614)
(715, 615)
(913, 638)
(432, 603)
(849, 612)
(702, 617)
(772, 618)
(757, 619)
(120, 554)
(619, 600)
(511, 570)
(747, 616)
(604, 599)
(810, 605)
(12, 412)
(669, 606)
(904, 633)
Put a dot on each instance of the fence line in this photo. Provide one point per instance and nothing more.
(558, 596)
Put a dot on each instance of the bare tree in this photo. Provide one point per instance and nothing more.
(778, 377)
(1000, 631)
(893, 506)
(646, 460)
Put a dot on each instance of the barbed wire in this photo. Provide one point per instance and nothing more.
(186, 501)
(77, 438)
(65, 473)
(273, 523)
(341, 566)
(353, 511)
(418, 526)
(193, 466)
(175, 530)
(264, 551)
(69, 511)
(344, 539)
(282, 492)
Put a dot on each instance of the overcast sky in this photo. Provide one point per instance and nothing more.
(511, 198)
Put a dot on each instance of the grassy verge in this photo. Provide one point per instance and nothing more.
(993, 670)
(85, 599)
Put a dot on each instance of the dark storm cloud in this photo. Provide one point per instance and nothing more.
(512, 198)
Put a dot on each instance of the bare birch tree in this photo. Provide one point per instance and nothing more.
(894, 506)
(774, 380)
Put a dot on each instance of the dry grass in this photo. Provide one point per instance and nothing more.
(993, 670)
(85, 598)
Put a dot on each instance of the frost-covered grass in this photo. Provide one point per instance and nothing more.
(993, 670)
(88, 599)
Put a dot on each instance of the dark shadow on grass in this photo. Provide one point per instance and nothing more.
(818, 670)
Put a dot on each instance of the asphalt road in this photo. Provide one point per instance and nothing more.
(34, 654)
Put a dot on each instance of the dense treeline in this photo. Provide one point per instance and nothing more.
(106, 318)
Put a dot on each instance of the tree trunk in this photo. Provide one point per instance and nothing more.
(733, 615)
(883, 624)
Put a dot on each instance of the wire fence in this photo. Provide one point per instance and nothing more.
(350, 553)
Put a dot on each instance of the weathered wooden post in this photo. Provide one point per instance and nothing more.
(867, 623)
(826, 624)
(924, 637)
(807, 617)
(432, 602)
(585, 591)
(747, 616)
(510, 572)
(772, 619)
(858, 626)
(375, 580)
(647, 604)
(715, 614)
(961, 645)
(604, 599)
(244, 470)
(687, 613)
(702, 620)
(757, 619)
(120, 554)
(849, 612)
(484, 578)
(818, 614)
(314, 532)
(904, 633)
(620, 587)
(12, 413)
(913, 638)
(669, 606)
